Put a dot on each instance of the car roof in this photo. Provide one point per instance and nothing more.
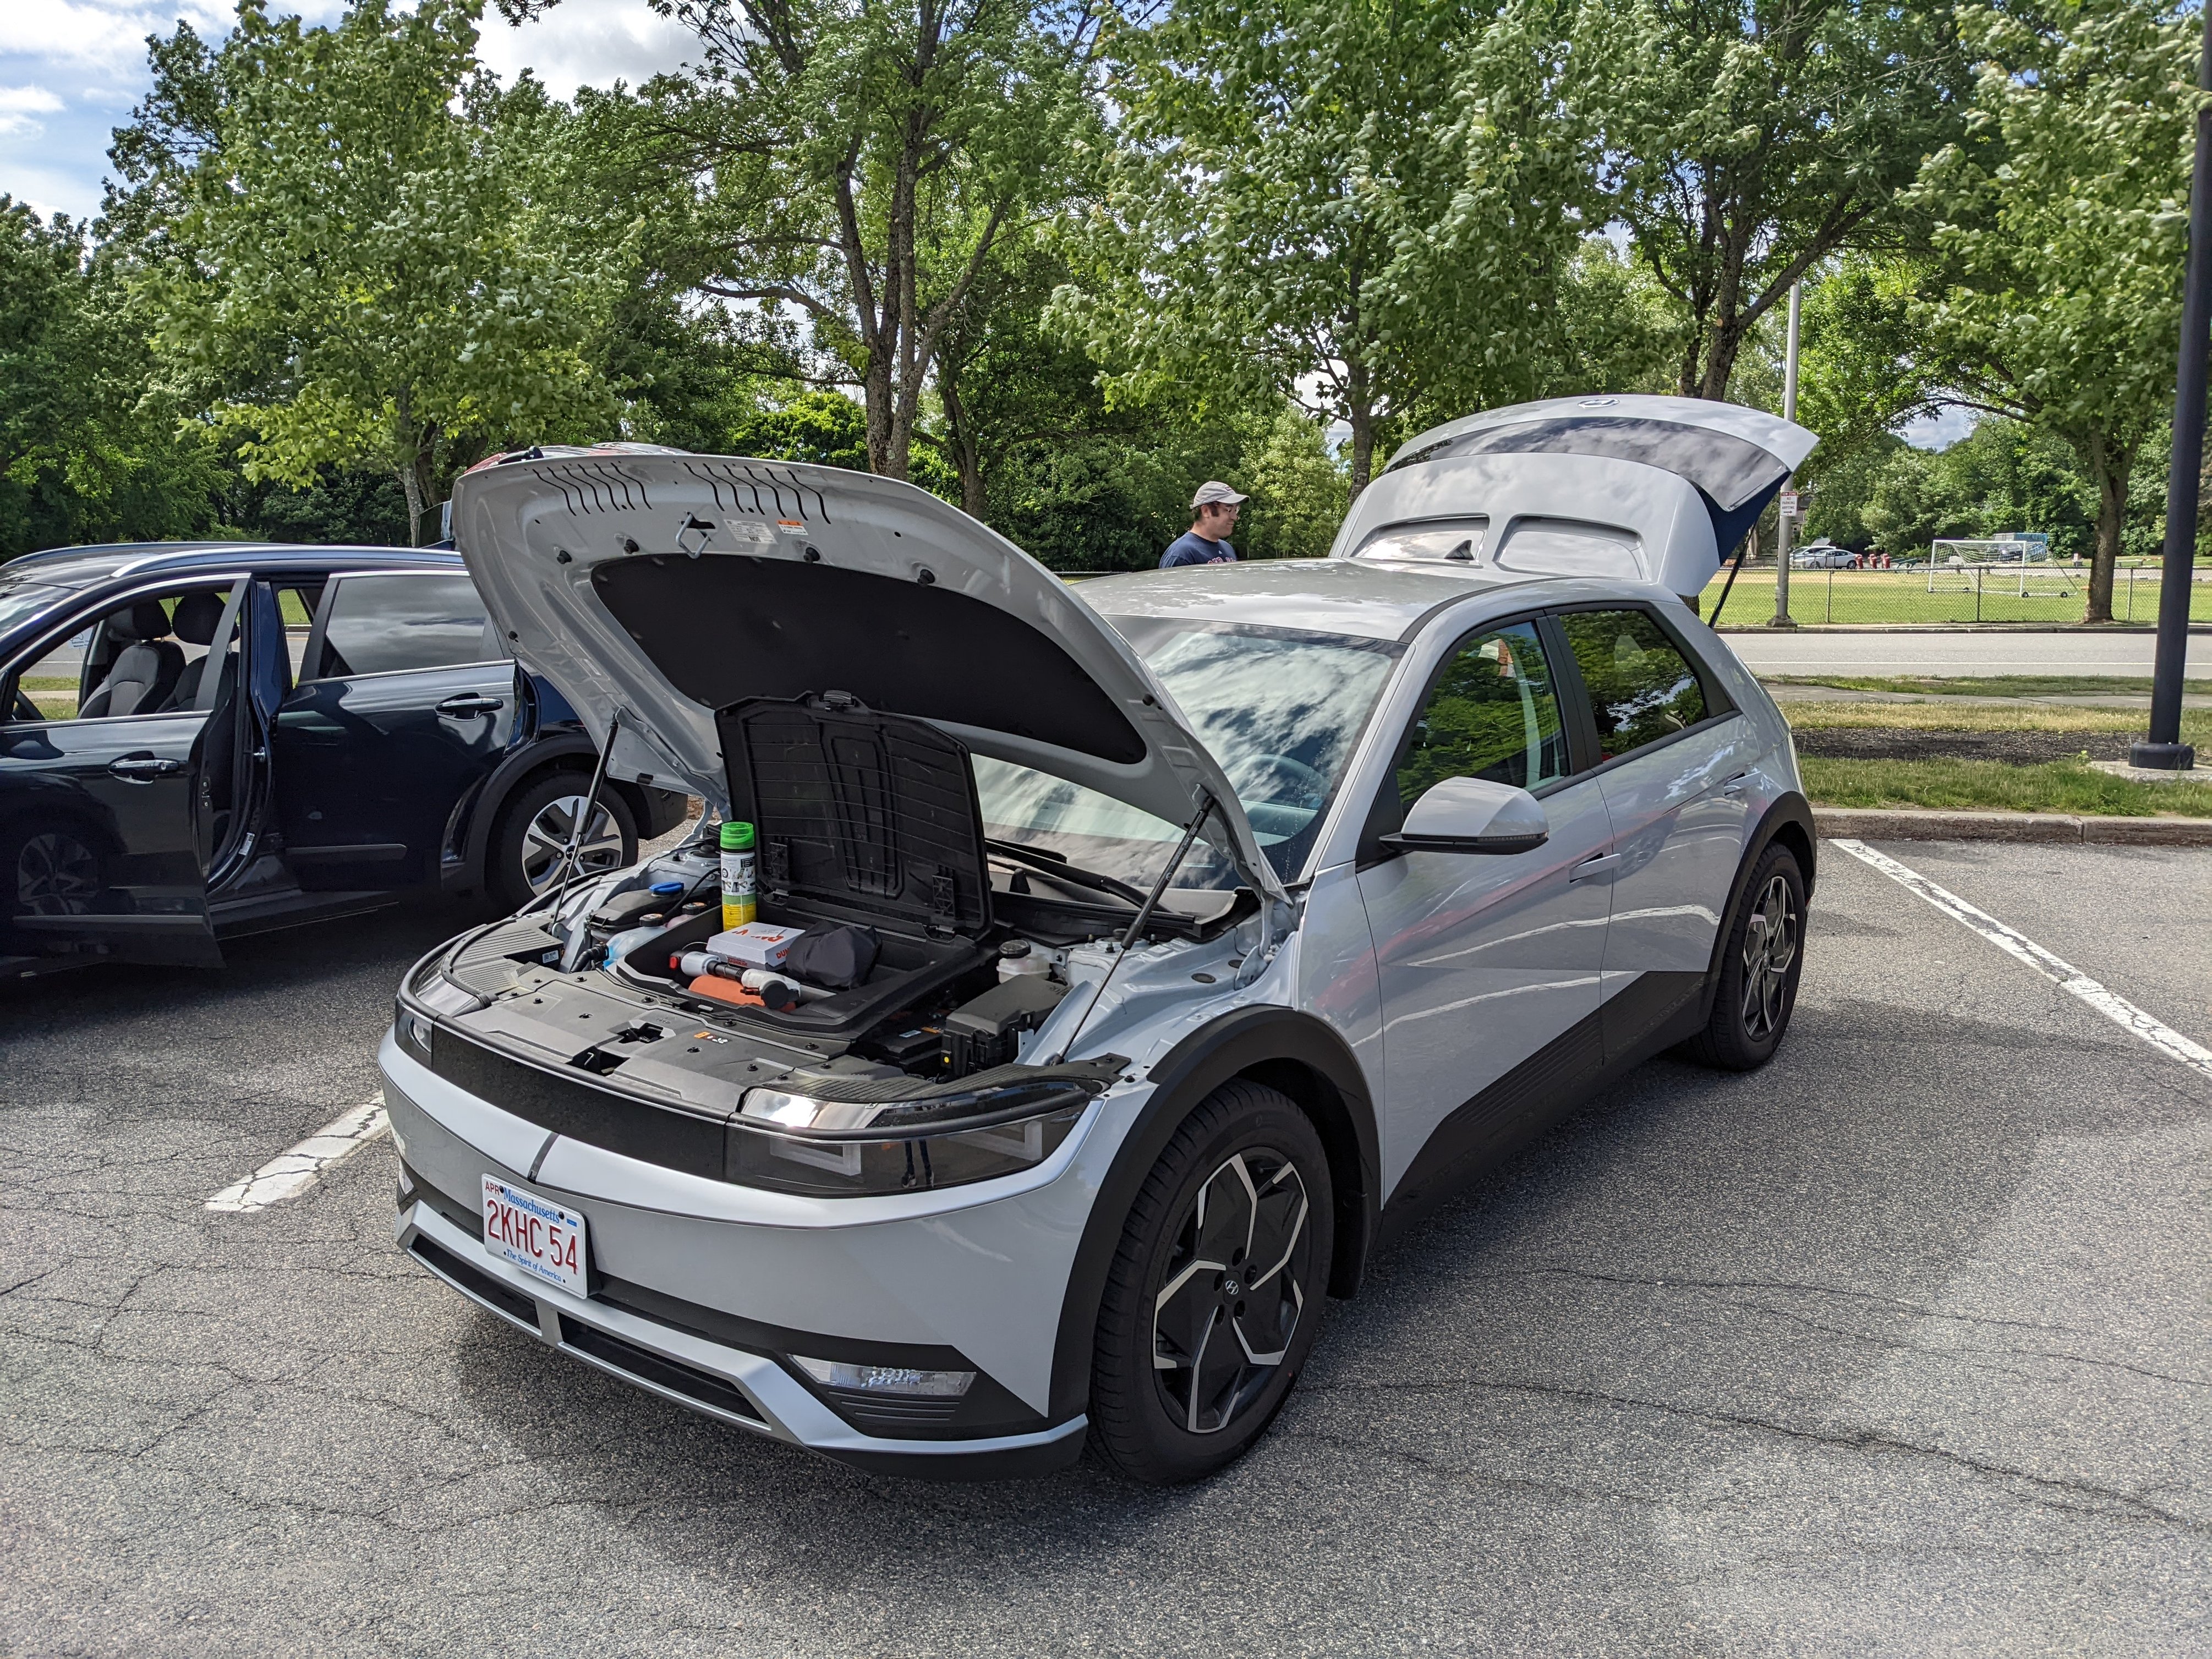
(1362, 599)
(78, 567)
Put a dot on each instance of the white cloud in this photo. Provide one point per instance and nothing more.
(54, 147)
(587, 43)
(101, 35)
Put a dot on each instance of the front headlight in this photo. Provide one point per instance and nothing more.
(823, 1134)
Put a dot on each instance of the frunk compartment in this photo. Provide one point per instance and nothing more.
(908, 970)
(863, 819)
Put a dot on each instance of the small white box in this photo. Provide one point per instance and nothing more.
(756, 945)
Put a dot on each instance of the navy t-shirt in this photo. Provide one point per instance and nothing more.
(1191, 548)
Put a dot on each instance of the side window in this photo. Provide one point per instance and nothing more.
(387, 624)
(1493, 714)
(142, 658)
(1641, 687)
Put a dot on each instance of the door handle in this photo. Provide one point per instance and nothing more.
(1734, 786)
(470, 703)
(144, 768)
(1597, 866)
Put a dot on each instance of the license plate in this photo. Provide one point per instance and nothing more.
(538, 1236)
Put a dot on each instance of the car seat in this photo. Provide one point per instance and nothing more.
(145, 671)
(199, 615)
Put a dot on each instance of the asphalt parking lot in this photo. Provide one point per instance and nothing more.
(1902, 1346)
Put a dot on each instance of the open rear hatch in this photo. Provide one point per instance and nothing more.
(1650, 488)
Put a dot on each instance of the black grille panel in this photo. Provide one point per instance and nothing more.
(674, 1375)
(479, 1284)
(620, 1124)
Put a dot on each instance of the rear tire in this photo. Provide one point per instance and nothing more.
(1215, 1293)
(1761, 962)
(533, 825)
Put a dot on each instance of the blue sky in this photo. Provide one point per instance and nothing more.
(70, 69)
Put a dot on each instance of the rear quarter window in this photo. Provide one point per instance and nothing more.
(389, 624)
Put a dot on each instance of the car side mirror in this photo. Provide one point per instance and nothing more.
(1472, 815)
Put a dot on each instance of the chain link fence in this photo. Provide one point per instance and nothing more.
(2000, 592)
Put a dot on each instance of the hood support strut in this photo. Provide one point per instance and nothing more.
(566, 871)
(1137, 928)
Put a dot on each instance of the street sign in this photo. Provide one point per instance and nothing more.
(1790, 502)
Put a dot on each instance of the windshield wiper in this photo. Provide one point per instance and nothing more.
(1057, 865)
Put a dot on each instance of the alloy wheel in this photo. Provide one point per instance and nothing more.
(1770, 947)
(547, 837)
(1233, 1291)
(56, 875)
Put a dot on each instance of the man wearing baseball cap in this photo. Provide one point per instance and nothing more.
(1214, 515)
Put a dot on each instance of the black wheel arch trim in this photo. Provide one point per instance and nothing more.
(1789, 814)
(551, 751)
(1296, 1053)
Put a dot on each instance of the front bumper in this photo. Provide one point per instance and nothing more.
(701, 1291)
(749, 1390)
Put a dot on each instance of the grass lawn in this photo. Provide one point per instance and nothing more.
(1993, 686)
(1992, 785)
(2195, 723)
(1902, 596)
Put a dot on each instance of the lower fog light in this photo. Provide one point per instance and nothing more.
(887, 1379)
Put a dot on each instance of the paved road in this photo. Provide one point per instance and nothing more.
(1903, 1345)
(1805, 651)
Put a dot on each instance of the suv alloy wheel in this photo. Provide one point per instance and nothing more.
(1214, 1295)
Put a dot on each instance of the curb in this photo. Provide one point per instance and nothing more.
(1886, 823)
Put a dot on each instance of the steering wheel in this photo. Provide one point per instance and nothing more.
(25, 709)
(1295, 783)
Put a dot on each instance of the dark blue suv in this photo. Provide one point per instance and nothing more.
(203, 739)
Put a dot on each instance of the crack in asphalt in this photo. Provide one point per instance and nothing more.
(1864, 1439)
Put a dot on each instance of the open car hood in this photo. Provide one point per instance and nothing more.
(665, 587)
(1649, 488)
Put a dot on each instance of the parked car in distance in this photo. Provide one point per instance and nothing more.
(202, 740)
(1823, 555)
(1163, 944)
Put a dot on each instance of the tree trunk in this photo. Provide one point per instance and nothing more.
(963, 444)
(2110, 471)
(1359, 411)
(410, 485)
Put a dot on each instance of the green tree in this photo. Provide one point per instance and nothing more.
(1746, 140)
(354, 277)
(1365, 208)
(2060, 224)
(854, 167)
(81, 459)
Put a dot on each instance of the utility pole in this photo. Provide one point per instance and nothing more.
(2166, 752)
(1782, 617)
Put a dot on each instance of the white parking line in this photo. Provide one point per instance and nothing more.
(2118, 1009)
(292, 1173)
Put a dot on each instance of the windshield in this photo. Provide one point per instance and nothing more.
(21, 601)
(1281, 709)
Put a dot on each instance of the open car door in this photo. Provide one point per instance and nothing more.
(1648, 489)
(118, 793)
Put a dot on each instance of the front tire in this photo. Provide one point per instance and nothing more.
(1760, 964)
(1215, 1292)
(534, 826)
(44, 872)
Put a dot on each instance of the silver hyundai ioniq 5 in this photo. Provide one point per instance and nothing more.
(1175, 938)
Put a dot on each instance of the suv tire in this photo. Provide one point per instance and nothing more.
(1243, 1190)
(540, 812)
(1761, 962)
